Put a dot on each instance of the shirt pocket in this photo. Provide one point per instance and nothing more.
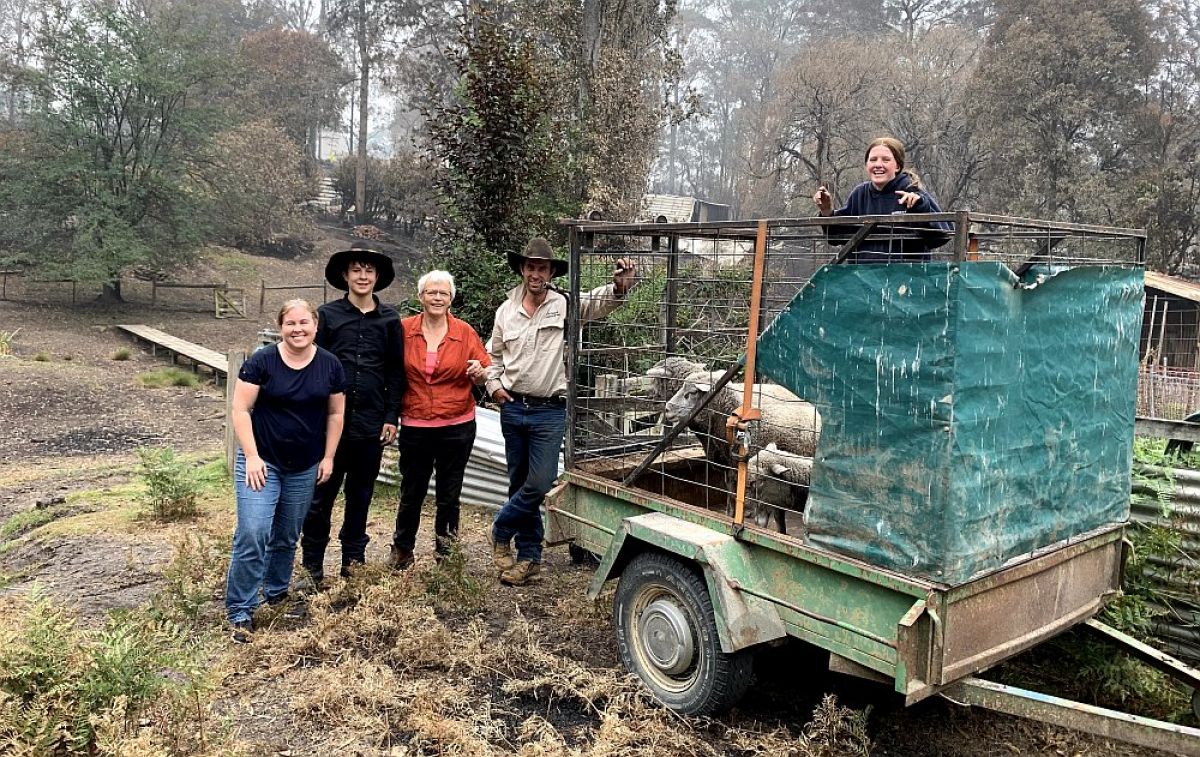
(550, 332)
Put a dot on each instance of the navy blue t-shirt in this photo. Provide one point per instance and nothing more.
(292, 407)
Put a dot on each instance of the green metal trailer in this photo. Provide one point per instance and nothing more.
(968, 496)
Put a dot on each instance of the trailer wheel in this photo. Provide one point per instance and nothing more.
(1196, 703)
(667, 636)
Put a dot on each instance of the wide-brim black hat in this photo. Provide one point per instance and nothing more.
(339, 263)
(538, 249)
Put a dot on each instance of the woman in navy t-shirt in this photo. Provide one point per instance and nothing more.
(288, 405)
(891, 189)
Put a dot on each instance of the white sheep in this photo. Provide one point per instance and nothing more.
(789, 422)
(669, 373)
(777, 481)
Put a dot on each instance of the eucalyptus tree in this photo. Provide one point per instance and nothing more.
(99, 180)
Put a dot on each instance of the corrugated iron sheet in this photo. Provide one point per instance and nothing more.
(1176, 577)
(486, 479)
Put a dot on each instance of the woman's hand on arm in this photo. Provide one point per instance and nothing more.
(244, 397)
(333, 433)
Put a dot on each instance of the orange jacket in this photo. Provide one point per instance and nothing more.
(448, 395)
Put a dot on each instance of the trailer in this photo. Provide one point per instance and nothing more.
(963, 485)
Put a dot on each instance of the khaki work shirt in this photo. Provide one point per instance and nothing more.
(527, 350)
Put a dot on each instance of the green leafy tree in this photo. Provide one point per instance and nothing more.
(502, 158)
(1057, 90)
(98, 183)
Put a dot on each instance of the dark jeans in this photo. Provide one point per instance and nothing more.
(356, 463)
(533, 436)
(423, 452)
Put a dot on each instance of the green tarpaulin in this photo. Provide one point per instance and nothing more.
(966, 420)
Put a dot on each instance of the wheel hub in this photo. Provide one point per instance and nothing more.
(667, 637)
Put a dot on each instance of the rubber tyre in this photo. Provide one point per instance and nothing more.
(713, 681)
(1196, 703)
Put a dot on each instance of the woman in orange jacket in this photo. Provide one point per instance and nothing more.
(443, 360)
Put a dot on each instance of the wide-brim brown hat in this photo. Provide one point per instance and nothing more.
(538, 249)
(339, 263)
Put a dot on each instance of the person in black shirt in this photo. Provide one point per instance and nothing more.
(365, 336)
(287, 414)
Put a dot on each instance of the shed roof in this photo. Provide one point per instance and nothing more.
(676, 209)
(1171, 285)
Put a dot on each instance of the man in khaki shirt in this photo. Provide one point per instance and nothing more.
(528, 378)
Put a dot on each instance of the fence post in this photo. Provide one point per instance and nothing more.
(235, 358)
(153, 292)
(262, 295)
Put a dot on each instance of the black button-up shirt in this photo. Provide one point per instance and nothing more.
(371, 348)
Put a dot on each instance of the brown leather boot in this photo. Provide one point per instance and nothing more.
(521, 573)
(502, 556)
(400, 559)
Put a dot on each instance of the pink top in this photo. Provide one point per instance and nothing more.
(430, 365)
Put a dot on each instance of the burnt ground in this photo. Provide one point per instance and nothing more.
(73, 419)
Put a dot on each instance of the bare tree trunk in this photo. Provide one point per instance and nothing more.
(589, 38)
(111, 291)
(364, 84)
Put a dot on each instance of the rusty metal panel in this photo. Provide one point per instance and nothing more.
(1026, 604)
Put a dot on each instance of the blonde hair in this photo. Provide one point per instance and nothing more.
(436, 275)
(295, 303)
(896, 147)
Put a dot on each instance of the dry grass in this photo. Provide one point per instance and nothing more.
(375, 670)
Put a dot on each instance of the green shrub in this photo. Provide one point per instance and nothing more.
(122, 354)
(450, 586)
(61, 685)
(191, 580)
(171, 485)
(164, 377)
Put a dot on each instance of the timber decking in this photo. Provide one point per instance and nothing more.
(215, 361)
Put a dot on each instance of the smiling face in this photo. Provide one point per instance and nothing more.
(298, 327)
(881, 166)
(436, 297)
(536, 274)
(361, 278)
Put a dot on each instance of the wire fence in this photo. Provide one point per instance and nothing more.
(220, 298)
(642, 369)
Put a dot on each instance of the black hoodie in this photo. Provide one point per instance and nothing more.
(902, 243)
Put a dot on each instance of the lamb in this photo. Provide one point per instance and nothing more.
(777, 481)
(789, 422)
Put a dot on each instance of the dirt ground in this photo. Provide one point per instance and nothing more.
(74, 418)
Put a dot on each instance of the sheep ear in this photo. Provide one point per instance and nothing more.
(778, 469)
(706, 388)
(772, 447)
(656, 372)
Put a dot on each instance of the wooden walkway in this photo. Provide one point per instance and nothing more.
(176, 347)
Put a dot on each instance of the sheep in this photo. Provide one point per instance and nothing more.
(669, 374)
(789, 422)
(777, 481)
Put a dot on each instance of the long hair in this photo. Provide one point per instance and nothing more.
(896, 147)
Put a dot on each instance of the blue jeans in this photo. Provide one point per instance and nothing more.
(533, 436)
(264, 543)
